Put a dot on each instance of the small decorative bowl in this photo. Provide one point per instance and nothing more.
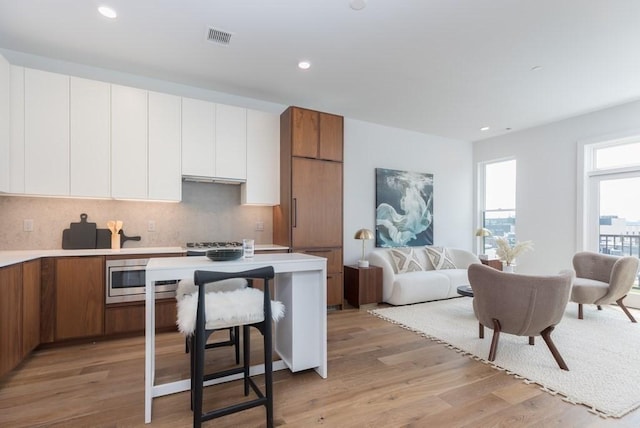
(224, 254)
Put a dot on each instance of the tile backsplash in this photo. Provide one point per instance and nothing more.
(208, 212)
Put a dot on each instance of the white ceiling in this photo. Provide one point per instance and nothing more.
(442, 67)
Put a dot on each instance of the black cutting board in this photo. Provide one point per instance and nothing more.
(103, 238)
(79, 236)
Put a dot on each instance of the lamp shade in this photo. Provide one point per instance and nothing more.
(483, 232)
(364, 234)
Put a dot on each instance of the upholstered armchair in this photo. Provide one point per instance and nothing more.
(602, 279)
(523, 305)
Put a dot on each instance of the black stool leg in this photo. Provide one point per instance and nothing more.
(236, 342)
(192, 340)
(268, 371)
(246, 356)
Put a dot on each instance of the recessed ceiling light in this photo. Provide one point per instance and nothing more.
(304, 65)
(357, 4)
(485, 128)
(107, 12)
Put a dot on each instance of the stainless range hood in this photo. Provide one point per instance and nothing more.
(218, 180)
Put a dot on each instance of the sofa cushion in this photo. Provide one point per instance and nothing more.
(440, 258)
(420, 286)
(405, 260)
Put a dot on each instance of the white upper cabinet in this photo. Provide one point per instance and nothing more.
(165, 180)
(5, 120)
(263, 159)
(46, 133)
(90, 138)
(231, 142)
(16, 125)
(128, 142)
(198, 138)
(214, 141)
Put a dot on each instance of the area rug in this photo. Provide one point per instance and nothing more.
(602, 351)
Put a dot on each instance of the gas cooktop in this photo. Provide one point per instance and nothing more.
(209, 245)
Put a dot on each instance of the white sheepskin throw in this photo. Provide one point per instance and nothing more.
(226, 309)
(187, 286)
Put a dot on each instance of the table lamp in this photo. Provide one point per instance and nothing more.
(482, 232)
(363, 235)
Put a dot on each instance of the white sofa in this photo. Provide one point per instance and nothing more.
(423, 282)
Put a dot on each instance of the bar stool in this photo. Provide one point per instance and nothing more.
(246, 307)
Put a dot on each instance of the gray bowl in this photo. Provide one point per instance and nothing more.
(224, 254)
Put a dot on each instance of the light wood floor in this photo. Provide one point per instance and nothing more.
(380, 375)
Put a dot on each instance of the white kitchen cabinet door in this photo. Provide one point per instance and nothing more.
(16, 124)
(16, 145)
(231, 142)
(128, 143)
(5, 120)
(198, 138)
(46, 133)
(90, 138)
(263, 159)
(165, 178)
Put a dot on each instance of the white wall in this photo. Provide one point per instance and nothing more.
(546, 183)
(369, 146)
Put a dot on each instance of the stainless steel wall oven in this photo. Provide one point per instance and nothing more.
(126, 282)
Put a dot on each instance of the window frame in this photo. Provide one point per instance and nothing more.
(588, 192)
(479, 244)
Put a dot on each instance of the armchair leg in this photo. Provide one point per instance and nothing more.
(580, 311)
(546, 335)
(494, 341)
(599, 307)
(532, 340)
(480, 331)
(624, 308)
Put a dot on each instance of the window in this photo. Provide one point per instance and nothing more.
(498, 203)
(612, 208)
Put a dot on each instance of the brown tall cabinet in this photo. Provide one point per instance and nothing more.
(309, 217)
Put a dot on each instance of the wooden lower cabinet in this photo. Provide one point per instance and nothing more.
(130, 317)
(10, 317)
(335, 293)
(19, 313)
(79, 297)
(30, 306)
(72, 298)
(334, 290)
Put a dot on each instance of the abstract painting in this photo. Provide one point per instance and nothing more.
(404, 208)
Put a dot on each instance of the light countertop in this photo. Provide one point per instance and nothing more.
(18, 256)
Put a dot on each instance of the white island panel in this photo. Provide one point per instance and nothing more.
(300, 337)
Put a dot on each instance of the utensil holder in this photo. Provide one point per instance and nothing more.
(115, 241)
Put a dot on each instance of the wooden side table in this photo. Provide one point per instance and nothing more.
(494, 263)
(363, 286)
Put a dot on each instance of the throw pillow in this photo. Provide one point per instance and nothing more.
(404, 260)
(440, 258)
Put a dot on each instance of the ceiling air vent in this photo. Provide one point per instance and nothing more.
(218, 36)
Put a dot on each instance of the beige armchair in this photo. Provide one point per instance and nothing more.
(522, 305)
(602, 279)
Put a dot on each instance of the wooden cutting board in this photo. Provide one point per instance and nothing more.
(79, 236)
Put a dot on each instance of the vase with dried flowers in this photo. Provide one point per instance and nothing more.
(508, 253)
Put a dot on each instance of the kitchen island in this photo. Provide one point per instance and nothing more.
(300, 337)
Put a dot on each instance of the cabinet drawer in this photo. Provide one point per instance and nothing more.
(333, 256)
(130, 318)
